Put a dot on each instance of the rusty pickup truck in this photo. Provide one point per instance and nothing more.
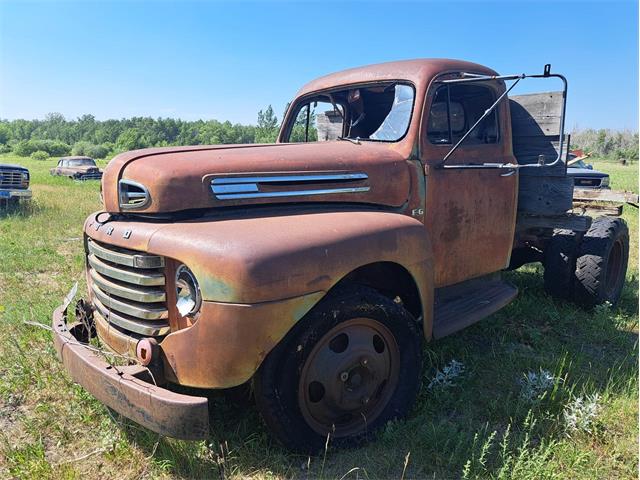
(316, 267)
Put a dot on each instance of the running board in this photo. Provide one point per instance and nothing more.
(463, 304)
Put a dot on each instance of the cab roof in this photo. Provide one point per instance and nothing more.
(419, 72)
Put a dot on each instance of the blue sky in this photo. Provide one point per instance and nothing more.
(228, 60)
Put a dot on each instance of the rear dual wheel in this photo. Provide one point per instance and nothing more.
(351, 365)
(602, 261)
(589, 269)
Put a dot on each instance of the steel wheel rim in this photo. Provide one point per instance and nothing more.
(614, 267)
(349, 377)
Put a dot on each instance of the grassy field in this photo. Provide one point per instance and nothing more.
(478, 414)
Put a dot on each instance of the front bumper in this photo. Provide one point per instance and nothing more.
(126, 391)
(6, 194)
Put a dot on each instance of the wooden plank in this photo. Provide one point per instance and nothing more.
(578, 223)
(593, 209)
(604, 195)
(545, 195)
(536, 114)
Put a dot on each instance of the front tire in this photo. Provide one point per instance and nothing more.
(602, 262)
(348, 367)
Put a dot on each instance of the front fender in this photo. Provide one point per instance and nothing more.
(262, 274)
(255, 260)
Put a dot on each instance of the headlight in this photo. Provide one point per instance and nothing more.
(604, 182)
(25, 179)
(187, 292)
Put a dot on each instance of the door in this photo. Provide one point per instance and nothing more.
(470, 213)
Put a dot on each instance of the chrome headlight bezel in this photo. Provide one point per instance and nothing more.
(188, 297)
(604, 182)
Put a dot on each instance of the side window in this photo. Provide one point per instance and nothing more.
(455, 109)
(317, 121)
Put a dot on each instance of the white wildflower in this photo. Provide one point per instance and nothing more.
(535, 384)
(580, 415)
(444, 378)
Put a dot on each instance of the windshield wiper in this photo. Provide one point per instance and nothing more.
(348, 139)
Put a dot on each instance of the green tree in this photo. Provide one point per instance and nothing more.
(267, 128)
(130, 139)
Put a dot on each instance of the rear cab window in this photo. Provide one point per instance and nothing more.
(455, 109)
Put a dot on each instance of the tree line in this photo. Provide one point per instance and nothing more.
(617, 144)
(57, 136)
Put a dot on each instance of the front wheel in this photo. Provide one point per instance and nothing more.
(349, 366)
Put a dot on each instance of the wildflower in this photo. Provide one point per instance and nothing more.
(581, 414)
(444, 378)
(535, 384)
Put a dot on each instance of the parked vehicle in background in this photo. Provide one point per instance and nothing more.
(77, 168)
(317, 266)
(14, 184)
(583, 174)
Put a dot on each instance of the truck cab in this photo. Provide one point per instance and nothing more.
(315, 268)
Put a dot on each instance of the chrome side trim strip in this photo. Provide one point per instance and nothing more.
(141, 311)
(291, 193)
(137, 278)
(237, 188)
(141, 327)
(291, 178)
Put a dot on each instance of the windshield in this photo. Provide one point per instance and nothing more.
(581, 164)
(82, 162)
(377, 113)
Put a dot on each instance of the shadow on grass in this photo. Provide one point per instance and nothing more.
(23, 208)
(587, 351)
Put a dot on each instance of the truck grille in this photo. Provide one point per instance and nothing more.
(10, 178)
(91, 175)
(587, 182)
(128, 288)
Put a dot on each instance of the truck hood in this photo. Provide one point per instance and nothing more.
(585, 172)
(12, 166)
(204, 177)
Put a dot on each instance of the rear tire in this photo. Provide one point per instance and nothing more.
(348, 367)
(559, 262)
(602, 260)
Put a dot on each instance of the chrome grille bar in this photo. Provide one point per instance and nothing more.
(155, 328)
(136, 309)
(152, 278)
(122, 290)
(137, 260)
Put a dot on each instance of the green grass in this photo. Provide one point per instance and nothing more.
(477, 428)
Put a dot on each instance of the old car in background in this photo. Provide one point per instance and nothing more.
(583, 174)
(14, 184)
(77, 168)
